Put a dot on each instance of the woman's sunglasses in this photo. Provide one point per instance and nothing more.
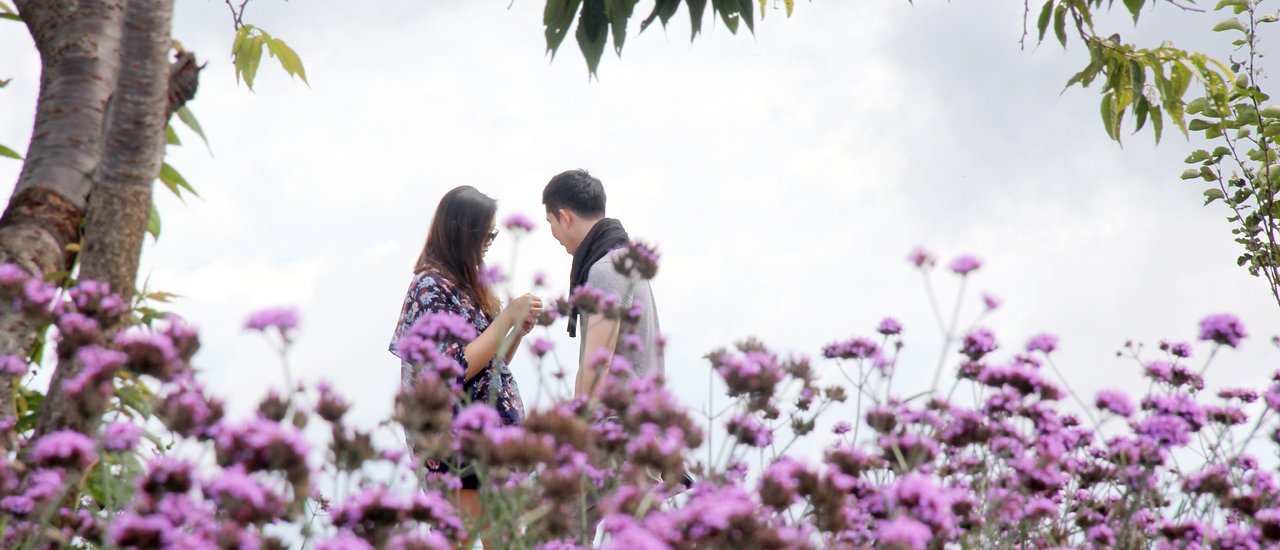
(492, 235)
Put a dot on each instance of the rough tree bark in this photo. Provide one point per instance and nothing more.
(120, 201)
(79, 45)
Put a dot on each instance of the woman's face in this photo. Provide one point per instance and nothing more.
(490, 235)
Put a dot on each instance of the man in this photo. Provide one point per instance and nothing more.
(575, 202)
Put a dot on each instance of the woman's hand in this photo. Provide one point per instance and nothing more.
(523, 311)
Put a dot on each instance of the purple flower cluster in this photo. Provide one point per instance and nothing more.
(965, 265)
(1224, 329)
(518, 222)
(978, 343)
(283, 319)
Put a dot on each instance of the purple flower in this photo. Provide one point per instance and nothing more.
(166, 475)
(1101, 535)
(539, 279)
(261, 445)
(1114, 401)
(188, 411)
(749, 431)
(417, 540)
(889, 326)
(1177, 349)
(13, 365)
(978, 343)
(99, 368)
(1244, 394)
(244, 499)
(444, 327)
(477, 417)
(64, 449)
(903, 533)
(284, 319)
(121, 436)
(149, 353)
(841, 428)
(922, 258)
(991, 301)
(1165, 430)
(130, 530)
(1223, 328)
(965, 264)
(492, 276)
(541, 346)
(344, 540)
(1043, 342)
(518, 221)
(626, 534)
(856, 348)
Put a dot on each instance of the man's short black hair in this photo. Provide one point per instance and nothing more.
(576, 191)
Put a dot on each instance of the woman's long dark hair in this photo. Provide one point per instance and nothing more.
(455, 244)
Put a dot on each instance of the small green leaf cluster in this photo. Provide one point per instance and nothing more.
(1147, 84)
(597, 19)
(246, 52)
(1244, 170)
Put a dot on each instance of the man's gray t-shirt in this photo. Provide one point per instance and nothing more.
(604, 276)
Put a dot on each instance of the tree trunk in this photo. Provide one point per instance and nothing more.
(120, 202)
(79, 45)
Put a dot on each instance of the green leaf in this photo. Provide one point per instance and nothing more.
(557, 17)
(1043, 23)
(188, 118)
(1270, 111)
(4, 83)
(1190, 173)
(1109, 115)
(1212, 194)
(1199, 155)
(698, 7)
(1230, 24)
(1157, 122)
(1198, 104)
(163, 297)
(153, 223)
(1060, 24)
(728, 10)
(1140, 113)
(10, 17)
(1234, 3)
(174, 181)
(170, 136)
(288, 58)
(7, 152)
(1137, 76)
(747, 12)
(4, 7)
(593, 31)
(1135, 7)
(1197, 125)
(254, 47)
(618, 12)
(662, 10)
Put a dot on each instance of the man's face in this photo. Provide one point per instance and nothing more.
(559, 231)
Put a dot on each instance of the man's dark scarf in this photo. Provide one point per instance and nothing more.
(606, 235)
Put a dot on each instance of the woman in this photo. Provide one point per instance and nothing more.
(447, 279)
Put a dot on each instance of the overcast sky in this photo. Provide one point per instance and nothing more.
(784, 176)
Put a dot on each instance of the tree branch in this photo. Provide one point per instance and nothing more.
(120, 203)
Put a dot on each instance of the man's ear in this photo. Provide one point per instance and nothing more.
(566, 217)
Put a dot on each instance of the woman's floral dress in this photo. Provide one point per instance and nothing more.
(431, 292)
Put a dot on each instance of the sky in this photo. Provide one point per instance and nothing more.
(783, 176)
